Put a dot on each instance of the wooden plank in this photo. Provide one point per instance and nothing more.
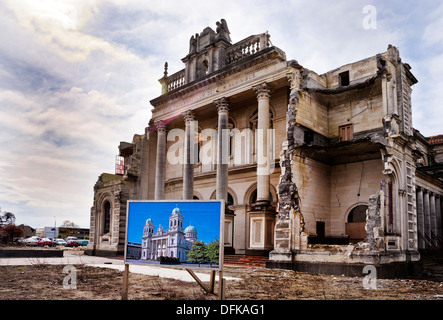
(198, 280)
(125, 285)
(221, 286)
(212, 282)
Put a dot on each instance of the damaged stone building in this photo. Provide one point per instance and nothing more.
(321, 173)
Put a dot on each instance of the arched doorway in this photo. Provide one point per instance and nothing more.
(356, 222)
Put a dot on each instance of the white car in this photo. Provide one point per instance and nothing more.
(59, 242)
(32, 241)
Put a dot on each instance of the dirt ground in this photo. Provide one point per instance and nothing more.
(45, 282)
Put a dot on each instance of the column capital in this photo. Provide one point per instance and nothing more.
(263, 91)
(188, 116)
(161, 126)
(151, 124)
(222, 104)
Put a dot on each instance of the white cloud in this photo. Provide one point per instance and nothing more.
(57, 26)
(69, 99)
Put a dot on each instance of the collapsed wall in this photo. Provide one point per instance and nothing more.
(387, 252)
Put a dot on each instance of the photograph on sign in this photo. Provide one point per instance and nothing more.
(175, 233)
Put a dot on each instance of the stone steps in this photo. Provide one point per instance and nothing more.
(245, 261)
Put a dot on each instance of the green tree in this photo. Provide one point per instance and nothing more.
(197, 254)
(212, 251)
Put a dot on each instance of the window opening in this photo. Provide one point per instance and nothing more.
(344, 79)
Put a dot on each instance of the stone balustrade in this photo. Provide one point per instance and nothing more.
(247, 47)
(234, 53)
(176, 80)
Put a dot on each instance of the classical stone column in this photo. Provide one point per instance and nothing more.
(262, 216)
(161, 162)
(189, 155)
(222, 149)
(433, 214)
(427, 213)
(438, 215)
(262, 154)
(420, 217)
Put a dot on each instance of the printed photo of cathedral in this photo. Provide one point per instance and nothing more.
(161, 232)
(173, 242)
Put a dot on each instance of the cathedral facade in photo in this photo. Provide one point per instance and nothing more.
(319, 172)
(173, 242)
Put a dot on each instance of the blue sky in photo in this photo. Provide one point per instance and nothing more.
(204, 216)
(76, 77)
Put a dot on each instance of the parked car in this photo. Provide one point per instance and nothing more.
(31, 241)
(83, 242)
(71, 238)
(44, 242)
(59, 242)
(72, 243)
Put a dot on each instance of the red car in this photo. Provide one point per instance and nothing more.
(72, 243)
(44, 242)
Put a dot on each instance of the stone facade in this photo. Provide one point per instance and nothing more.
(299, 157)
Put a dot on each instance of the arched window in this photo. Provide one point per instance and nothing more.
(107, 217)
(205, 67)
(355, 225)
(230, 200)
(254, 197)
(202, 69)
(358, 214)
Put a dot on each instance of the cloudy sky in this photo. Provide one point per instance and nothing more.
(76, 77)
